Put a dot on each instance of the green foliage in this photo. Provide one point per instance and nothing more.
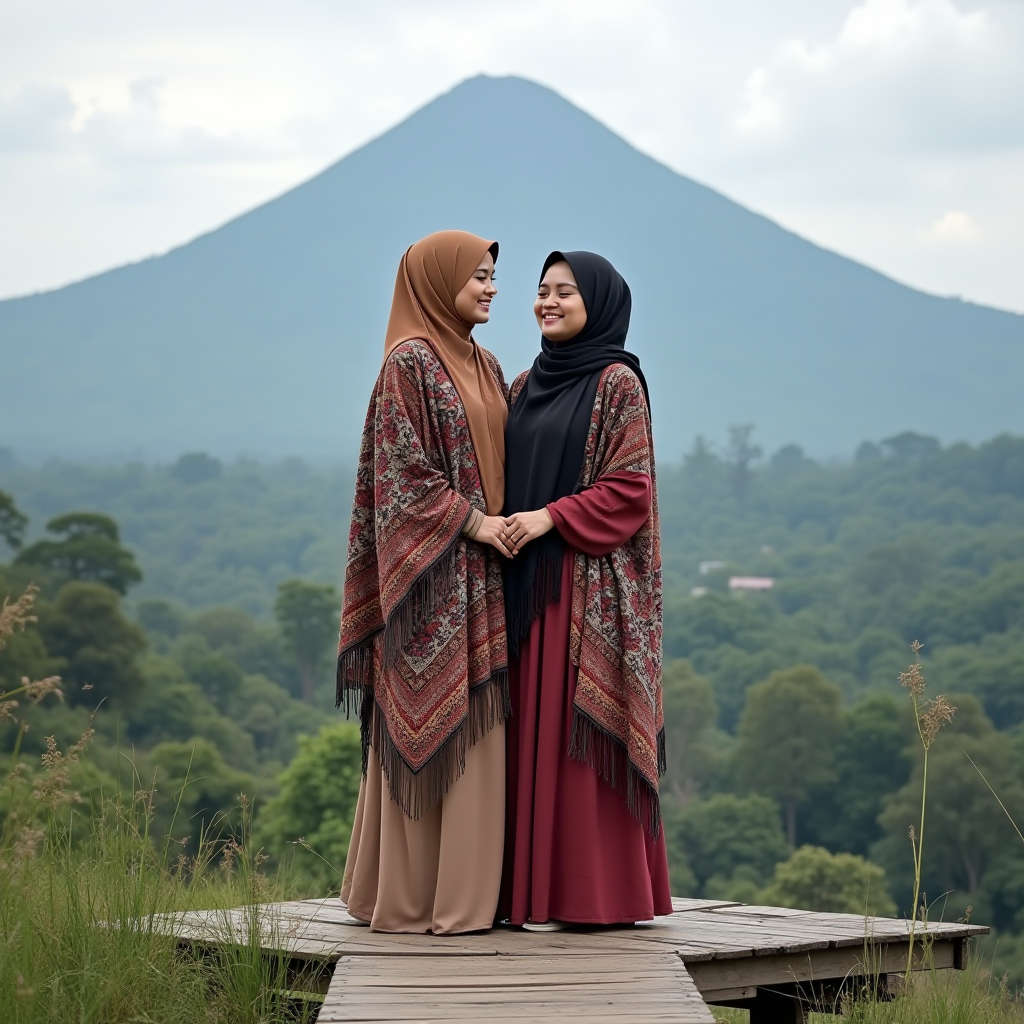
(157, 615)
(313, 812)
(224, 541)
(727, 838)
(90, 551)
(908, 563)
(196, 695)
(195, 467)
(787, 738)
(904, 543)
(690, 712)
(12, 522)
(206, 794)
(871, 761)
(175, 708)
(97, 648)
(308, 616)
(867, 557)
(839, 883)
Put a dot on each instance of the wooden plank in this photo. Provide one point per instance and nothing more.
(714, 976)
(650, 987)
(322, 928)
(681, 905)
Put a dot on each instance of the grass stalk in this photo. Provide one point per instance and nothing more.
(929, 717)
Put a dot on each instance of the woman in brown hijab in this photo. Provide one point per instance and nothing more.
(422, 652)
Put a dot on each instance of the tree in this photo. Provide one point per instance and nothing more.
(833, 883)
(195, 467)
(219, 678)
(871, 762)
(12, 522)
(690, 712)
(316, 804)
(172, 708)
(97, 646)
(790, 458)
(742, 453)
(728, 833)
(787, 737)
(308, 616)
(201, 792)
(701, 461)
(911, 447)
(90, 551)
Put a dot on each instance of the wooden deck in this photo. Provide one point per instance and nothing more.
(774, 961)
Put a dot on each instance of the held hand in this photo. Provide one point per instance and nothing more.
(492, 531)
(522, 527)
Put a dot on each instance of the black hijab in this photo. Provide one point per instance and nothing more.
(547, 429)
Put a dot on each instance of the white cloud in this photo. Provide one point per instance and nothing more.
(953, 226)
(917, 76)
(126, 127)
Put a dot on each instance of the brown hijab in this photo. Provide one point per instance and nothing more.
(431, 274)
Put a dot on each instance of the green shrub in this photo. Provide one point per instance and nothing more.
(838, 883)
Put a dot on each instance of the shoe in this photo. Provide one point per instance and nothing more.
(543, 926)
(351, 919)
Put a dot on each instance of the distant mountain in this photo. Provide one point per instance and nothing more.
(265, 335)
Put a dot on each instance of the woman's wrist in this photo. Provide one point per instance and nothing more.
(473, 524)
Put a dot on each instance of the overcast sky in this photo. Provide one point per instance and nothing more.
(890, 130)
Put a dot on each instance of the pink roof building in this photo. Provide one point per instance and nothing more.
(751, 583)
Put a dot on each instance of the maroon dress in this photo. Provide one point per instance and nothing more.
(573, 852)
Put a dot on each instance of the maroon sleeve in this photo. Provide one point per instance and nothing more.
(604, 516)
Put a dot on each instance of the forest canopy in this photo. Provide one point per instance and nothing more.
(198, 601)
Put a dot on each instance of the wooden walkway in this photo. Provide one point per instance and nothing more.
(776, 962)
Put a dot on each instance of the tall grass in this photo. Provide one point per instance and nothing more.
(85, 891)
(929, 717)
(82, 917)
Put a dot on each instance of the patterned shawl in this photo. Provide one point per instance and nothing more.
(618, 724)
(422, 649)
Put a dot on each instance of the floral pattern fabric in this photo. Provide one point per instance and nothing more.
(422, 650)
(616, 630)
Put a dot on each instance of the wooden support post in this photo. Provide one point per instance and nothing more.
(776, 1005)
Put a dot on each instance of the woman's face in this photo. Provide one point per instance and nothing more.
(559, 307)
(473, 303)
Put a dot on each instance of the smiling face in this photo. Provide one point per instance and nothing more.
(559, 307)
(473, 303)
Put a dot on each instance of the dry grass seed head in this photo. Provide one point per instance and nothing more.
(37, 689)
(52, 789)
(229, 855)
(27, 843)
(913, 680)
(15, 617)
(939, 712)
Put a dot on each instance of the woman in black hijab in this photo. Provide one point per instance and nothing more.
(583, 612)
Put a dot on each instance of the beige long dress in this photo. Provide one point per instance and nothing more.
(441, 873)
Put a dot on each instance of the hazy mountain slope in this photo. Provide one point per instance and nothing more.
(265, 335)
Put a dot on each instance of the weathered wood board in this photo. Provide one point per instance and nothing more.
(662, 971)
(647, 987)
